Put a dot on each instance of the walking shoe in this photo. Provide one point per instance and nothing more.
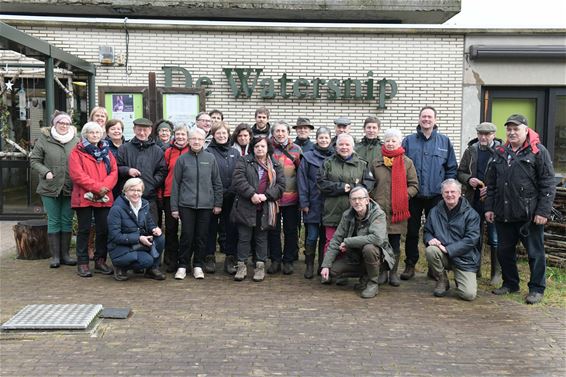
(100, 266)
(120, 274)
(503, 290)
(197, 273)
(210, 264)
(84, 271)
(287, 268)
(241, 271)
(274, 268)
(259, 273)
(442, 285)
(409, 273)
(154, 273)
(181, 273)
(230, 265)
(534, 298)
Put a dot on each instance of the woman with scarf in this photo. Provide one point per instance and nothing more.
(241, 138)
(310, 197)
(226, 157)
(259, 183)
(94, 173)
(179, 146)
(395, 183)
(49, 160)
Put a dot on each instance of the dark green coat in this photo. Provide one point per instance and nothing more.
(49, 155)
(372, 229)
(333, 175)
(369, 150)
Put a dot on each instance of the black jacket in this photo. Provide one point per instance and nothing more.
(460, 234)
(226, 158)
(469, 165)
(245, 183)
(520, 186)
(148, 158)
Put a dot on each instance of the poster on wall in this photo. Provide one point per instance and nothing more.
(125, 107)
(181, 108)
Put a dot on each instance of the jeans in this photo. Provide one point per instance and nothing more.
(289, 215)
(194, 232)
(509, 234)
(227, 231)
(84, 217)
(245, 236)
(59, 213)
(416, 207)
(139, 260)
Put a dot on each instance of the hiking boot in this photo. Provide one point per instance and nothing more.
(287, 268)
(65, 246)
(393, 275)
(383, 276)
(371, 289)
(409, 273)
(534, 298)
(120, 274)
(259, 273)
(210, 264)
(309, 261)
(101, 267)
(55, 247)
(432, 275)
(84, 271)
(362, 283)
(503, 290)
(442, 285)
(154, 273)
(230, 265)
(241, 271)
(274, 268)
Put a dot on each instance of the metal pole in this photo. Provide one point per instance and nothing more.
(49, 90)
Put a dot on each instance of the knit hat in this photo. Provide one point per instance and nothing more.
(61, 117)
(164, 124)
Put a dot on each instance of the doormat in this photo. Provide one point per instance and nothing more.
(53, 317)
(115, 313)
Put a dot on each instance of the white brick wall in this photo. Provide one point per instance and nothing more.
(427, 68)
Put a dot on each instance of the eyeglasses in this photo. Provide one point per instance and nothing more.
(358, 199)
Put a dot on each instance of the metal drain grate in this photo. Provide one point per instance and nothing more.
(53, 317)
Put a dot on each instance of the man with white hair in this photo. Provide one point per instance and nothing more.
(451, 233)
(520, 193)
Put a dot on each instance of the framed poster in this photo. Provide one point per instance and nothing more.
(124, 103)
(180, 105)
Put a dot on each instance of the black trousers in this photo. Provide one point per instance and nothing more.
(84, 217)
(416, 207)
(194, 232)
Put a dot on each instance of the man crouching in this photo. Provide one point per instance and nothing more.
(360, 244)
(452, 232)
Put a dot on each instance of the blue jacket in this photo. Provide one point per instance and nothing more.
(309, 193)
(460, 234)
(124, 229)
(434, 160)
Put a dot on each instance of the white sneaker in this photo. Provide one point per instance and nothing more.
(181, 273)
(197, 273)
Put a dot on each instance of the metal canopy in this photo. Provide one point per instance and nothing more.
(18, 41)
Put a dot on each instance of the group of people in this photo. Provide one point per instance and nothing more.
(249, 190)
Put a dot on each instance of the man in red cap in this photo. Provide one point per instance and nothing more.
(520, 193)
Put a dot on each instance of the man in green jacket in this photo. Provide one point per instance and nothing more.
(360, 244)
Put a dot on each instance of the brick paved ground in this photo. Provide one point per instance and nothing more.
(285, 326)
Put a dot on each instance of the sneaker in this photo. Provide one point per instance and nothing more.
(181, 273)
(198, 273)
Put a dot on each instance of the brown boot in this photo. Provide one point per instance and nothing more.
(442, 285)
(100, 266)
(409, 273)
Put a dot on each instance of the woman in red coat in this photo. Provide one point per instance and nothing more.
(94, 173)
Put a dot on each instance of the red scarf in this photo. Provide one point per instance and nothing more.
(399, 193)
